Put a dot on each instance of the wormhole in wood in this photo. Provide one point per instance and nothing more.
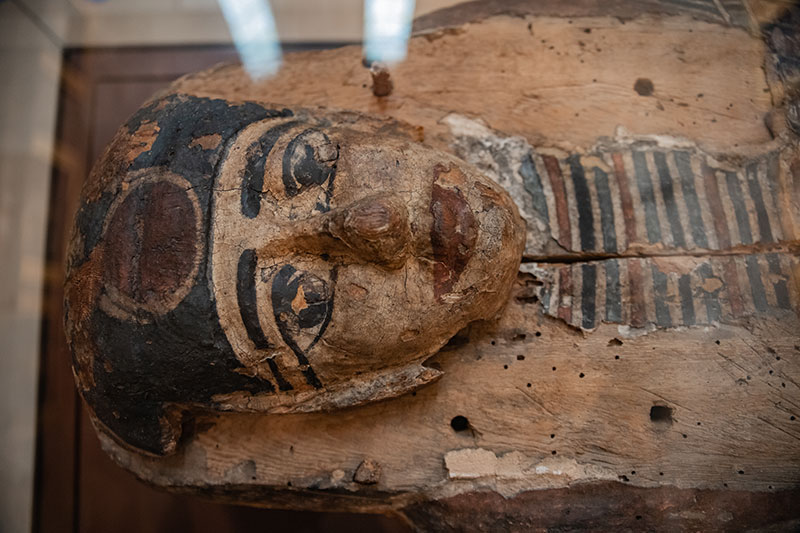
(644, 87)
(661, 414)
(459, 423)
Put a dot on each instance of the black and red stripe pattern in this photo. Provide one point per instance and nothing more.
(659, 201)
(662, 292)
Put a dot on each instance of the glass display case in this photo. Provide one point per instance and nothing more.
(561, 238)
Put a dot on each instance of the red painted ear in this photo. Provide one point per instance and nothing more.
(151, 242)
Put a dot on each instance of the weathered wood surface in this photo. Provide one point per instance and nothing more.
(189, 288)
(79, 488)
(682, 389)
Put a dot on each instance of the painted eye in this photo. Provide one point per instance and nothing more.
(302, 304)
(309, 160)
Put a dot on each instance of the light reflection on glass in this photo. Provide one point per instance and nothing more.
(387, 27)
(253, 30)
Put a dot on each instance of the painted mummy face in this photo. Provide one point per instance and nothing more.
(274, 261)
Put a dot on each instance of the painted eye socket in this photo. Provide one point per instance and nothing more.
(309, 160)
(300, 299)
(302, 304)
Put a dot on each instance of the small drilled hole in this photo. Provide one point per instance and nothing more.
(529, 385)
(459, 423)
(661, 414)
(538, 333)
(581, 375)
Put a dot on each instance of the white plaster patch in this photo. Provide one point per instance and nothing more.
(512, 472)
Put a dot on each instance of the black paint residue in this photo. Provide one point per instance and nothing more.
(303, 305)
(183, 357)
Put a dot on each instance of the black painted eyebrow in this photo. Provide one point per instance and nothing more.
(253, 179)
(246, 297)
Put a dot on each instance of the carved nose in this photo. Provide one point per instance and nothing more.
(372, 230)
(375, 229)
